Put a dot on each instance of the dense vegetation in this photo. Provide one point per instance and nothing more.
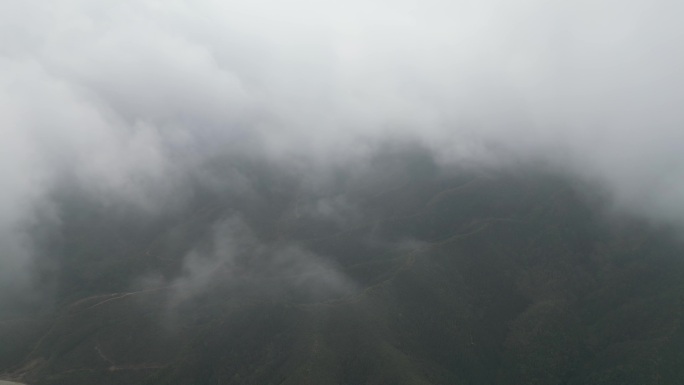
(405, 273)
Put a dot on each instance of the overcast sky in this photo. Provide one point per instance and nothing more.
(112, 93)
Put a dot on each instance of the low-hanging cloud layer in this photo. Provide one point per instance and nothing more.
(124, 98)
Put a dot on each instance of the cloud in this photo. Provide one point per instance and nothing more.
(236, 261)
(126, 98)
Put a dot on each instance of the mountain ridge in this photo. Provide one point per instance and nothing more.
(454, 277)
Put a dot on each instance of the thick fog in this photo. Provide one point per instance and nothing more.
(125, 99)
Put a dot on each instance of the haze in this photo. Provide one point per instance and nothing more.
(124, 99)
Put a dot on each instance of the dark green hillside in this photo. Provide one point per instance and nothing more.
(427, 276)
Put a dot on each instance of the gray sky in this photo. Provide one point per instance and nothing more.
(116, 94)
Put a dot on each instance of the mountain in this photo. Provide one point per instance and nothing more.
(404, 271)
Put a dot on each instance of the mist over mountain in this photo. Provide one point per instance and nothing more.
(341, 192)
(405, 271)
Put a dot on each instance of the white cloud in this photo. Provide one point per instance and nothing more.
(122, 95)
